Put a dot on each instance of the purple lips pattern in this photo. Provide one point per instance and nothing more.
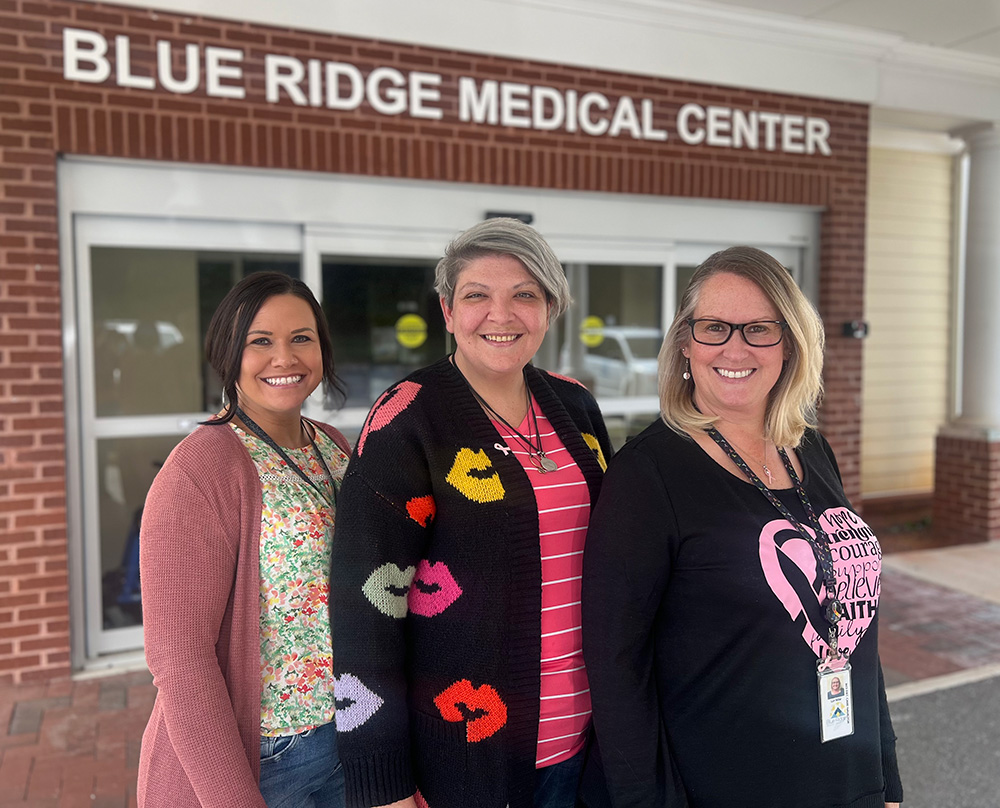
(857, 564)
(355, 702)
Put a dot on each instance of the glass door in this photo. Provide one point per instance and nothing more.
(145, 292)
(385, 321)
(376, 285)
(610, 338)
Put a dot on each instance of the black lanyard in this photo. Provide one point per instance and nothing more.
(254, 427)
(820, 543)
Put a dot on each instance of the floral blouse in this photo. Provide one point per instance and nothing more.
(296, 650)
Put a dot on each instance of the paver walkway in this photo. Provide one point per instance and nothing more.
(73, 744)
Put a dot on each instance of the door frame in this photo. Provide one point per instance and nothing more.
(85, 428)
(353, 215)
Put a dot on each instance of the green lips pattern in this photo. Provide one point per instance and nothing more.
(387, 589)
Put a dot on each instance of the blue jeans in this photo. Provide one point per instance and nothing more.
(556, 786)
(302, 771)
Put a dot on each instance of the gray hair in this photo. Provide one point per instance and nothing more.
(792, 402)
(502, 236)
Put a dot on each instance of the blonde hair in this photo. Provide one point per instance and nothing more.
(792, 402)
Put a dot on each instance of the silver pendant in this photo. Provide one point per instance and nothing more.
(546, 464)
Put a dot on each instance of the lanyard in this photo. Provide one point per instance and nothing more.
(254, 427)
(820, 543)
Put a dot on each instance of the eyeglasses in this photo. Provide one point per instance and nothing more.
(759, 334)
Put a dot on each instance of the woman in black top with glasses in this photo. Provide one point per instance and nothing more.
(727, 579)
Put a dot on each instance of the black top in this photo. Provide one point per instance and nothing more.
(702, 627)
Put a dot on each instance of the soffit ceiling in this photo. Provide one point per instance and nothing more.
(967, 26)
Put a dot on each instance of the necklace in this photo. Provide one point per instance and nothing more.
(763, 464)
(535, 454)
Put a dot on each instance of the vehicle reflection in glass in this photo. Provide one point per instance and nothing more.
(622, 364)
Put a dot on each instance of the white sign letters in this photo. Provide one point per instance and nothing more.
(89, 57)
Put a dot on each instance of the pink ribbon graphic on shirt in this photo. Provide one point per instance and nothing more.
(857, 564)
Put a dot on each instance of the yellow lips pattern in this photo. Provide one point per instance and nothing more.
(469, 475)
(591, 441)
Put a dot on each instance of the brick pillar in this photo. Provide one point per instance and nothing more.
(967, 484)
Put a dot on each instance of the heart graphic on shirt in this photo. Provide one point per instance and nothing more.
(433, 590)
(387, 589)
(473, 475)
(355, 703)
(484, 711)
(418, 798)
(422, 510)
(388, 405)
(857, 564)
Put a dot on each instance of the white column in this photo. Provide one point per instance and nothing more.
(981, 322)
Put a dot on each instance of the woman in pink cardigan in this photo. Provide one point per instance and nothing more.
(235, 562)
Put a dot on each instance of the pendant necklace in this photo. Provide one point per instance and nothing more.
(535, 454)
(763, 465)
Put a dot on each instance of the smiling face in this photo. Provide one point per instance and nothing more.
(733, 380)
(282, 361)
(499, 317)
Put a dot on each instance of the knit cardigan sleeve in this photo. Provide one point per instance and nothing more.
(188, 559)
(377, 546)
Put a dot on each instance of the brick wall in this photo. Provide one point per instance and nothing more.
(966, 487)
(42, 115)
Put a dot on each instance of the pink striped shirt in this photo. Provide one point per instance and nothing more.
(563, 515)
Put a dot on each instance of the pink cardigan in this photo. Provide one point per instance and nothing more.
(201, 620)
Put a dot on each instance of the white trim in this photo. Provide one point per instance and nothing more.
(151, 204)
(885, 137)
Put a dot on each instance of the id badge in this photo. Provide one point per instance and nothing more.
(836, 699)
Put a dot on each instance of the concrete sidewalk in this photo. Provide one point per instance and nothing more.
(75, 743)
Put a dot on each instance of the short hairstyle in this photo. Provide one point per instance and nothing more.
(504, 236)
(227, 333)
(792, 402)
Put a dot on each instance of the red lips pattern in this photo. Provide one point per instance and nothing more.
(483, 698)
(422, 510)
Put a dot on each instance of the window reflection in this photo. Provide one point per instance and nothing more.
(385, 321)
(151, 310)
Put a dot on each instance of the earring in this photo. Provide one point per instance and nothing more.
(687, 369)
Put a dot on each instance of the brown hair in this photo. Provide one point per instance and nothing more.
(227, 332)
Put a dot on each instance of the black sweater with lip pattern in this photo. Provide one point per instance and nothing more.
(436, 594)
